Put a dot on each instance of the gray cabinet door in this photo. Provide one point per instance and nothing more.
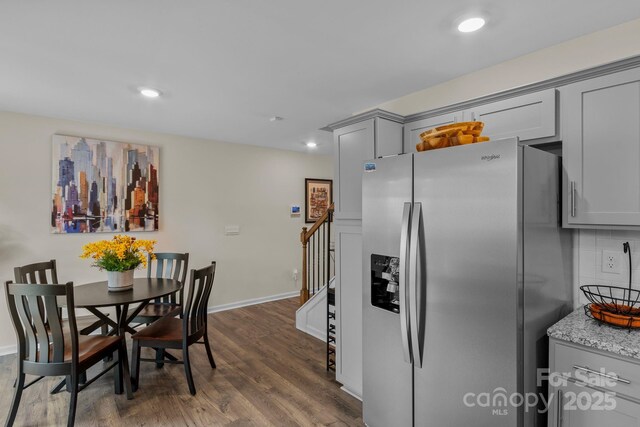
(388, 137)
(601, 150)
(412, 130)
(529, 117)
(349, 306)
(579, 406)
(354, 145)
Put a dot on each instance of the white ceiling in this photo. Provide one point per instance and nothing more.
(226, 66)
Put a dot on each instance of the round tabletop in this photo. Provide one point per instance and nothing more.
(97, 294)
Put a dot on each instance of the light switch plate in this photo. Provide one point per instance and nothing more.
(231, 230)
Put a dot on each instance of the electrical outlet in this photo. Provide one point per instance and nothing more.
(610, 262)
(294, 274)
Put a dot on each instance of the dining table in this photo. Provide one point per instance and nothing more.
(96, 297)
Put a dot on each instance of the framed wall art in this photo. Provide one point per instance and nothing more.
(101, 186)
(318, 196)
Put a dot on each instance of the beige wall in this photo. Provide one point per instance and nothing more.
(584, 52)
(204, 185)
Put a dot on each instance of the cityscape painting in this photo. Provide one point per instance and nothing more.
(103, 186)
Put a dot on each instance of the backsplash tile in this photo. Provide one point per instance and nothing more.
(591, 243)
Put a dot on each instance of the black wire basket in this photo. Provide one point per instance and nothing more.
(613, 305)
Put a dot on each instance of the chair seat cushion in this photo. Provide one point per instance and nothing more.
(163, 329)
(159, 310)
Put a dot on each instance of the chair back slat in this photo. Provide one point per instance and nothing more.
(42, 276)
(195, 309)
(30, 340)
(178, 266)
(42, 336)
(159, 267)
(168, 269)
(169, 265)
(55, 329)
(39, 341)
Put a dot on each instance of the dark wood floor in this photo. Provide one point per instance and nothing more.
(268, 373)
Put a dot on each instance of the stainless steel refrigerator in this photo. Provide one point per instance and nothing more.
(465, 266)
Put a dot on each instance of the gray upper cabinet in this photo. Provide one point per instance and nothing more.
(601, 150)
(412, 130)
(355, 144)
(529, 117)
(388, 137)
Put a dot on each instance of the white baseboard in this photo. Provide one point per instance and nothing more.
(346, 390)
(253, 301)
(321, 335)
(8, 349)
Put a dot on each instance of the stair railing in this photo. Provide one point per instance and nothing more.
(318, 262)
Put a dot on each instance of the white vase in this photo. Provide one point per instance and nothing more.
(120, 280)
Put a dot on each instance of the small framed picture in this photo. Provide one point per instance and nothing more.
(318, 196)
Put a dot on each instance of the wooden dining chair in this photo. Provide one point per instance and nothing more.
(47, 273)
(167, 265)
(179, 333)
(51, 351)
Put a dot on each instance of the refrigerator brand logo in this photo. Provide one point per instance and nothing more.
(490, 157)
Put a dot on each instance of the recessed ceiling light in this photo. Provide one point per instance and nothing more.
(311, 144)
(149, 93)
(470, 25)
(276, 119)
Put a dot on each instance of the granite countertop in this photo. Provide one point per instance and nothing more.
(580, 329)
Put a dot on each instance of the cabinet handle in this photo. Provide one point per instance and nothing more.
(573, 198)
(591, 371)
(559, 410)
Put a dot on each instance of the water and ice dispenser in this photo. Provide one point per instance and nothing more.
(385, 275)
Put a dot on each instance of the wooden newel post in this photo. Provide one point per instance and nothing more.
(304, 292)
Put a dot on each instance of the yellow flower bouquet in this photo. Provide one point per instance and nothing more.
(122, 253)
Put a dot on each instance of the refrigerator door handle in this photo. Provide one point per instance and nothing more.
(404, 265)
(573, 198)
(414, 270)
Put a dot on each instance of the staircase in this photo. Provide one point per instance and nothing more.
(316, 315)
